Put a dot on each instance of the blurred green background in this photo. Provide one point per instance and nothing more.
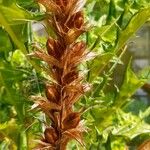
(117, 112)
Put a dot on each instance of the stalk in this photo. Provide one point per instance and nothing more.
(23, 144)
(63, 55)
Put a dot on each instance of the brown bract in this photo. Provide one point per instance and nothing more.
(145, 145)
(63, 56)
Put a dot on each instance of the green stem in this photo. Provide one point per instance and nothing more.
(23, 143)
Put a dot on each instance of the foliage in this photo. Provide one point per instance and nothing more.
(18, 79)
(112, 120)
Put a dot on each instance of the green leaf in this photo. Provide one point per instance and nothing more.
(5, 42)
(135, 23)
(129, 86)
(98, 64)
(14, 15)
(16, 39)
(130, 125)
(144, 73)
(10, 130)
(28, 4)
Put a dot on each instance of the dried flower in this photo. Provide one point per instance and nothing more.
(63, 55)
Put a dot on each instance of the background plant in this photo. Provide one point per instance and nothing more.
(107, 112)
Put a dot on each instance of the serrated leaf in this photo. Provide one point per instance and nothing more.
(135, 23)
(98, 63)
(129, 86)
